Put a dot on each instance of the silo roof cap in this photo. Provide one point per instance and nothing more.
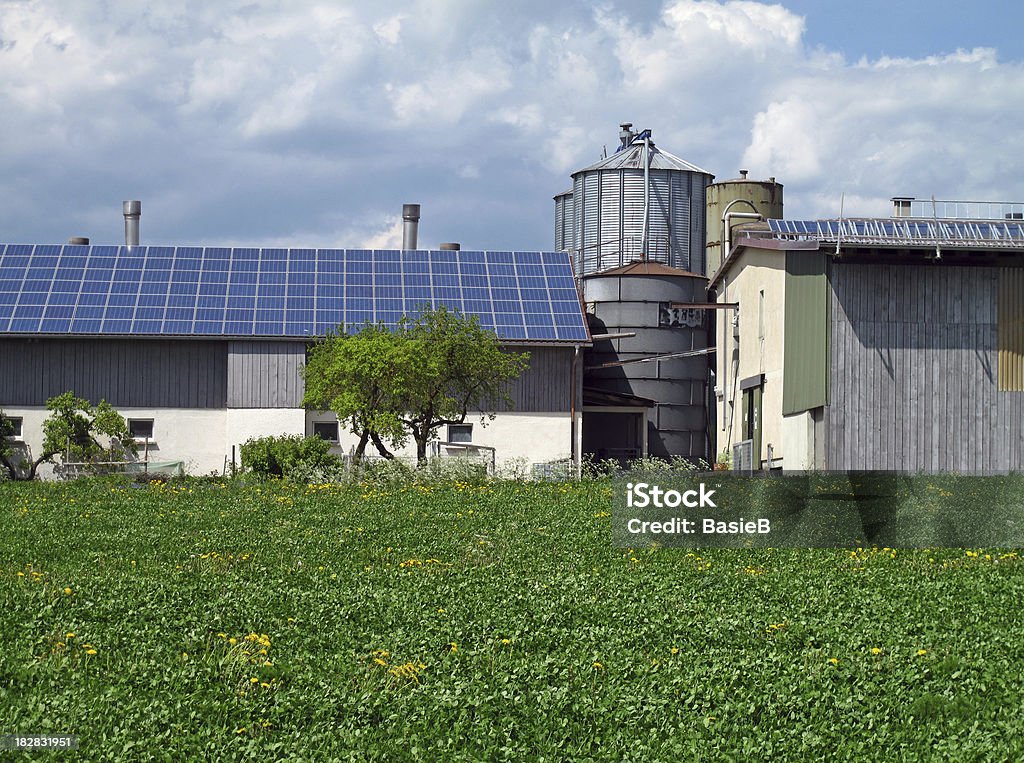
(632, 158)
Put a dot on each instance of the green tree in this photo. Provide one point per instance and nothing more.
(71, 431)
(7, 452)
(431, 370)
(359, 378)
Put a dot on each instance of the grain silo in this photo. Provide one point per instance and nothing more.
(656, 350)
(732, 204)
(639, 203)
(564, 221)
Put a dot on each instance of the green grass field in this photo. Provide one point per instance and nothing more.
(482, 622)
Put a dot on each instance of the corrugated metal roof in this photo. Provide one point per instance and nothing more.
(646, 268)
(633, 158)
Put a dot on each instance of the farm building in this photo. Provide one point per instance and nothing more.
(201, 348)
(893, 343)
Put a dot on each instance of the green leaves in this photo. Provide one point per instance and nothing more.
(433, 369)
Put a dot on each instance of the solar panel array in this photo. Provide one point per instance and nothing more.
(906, 231)
(208, 291)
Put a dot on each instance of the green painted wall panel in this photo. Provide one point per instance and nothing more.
(805, 352)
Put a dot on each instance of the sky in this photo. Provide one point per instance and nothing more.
(310, 123)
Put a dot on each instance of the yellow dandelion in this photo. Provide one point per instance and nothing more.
(90, 651)
(69, 634)
(254, 680)
(922, 652)
(379, 661)
(833, 660)
(232, 641)
(674, 650)
(67, 591)
(454, 647)
(506, 641)
(875, 650)
(597, 666)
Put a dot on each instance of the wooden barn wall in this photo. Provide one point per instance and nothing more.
(913, 364)
(544, 387)
(143, 373)
(265, 374)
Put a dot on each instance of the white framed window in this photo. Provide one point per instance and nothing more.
(460, 433)
(141, 429)
(326, 430)
(16, 426)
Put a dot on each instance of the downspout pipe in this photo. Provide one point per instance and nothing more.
(574, 443)
(647, 196)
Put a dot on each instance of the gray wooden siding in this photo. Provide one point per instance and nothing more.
(544, 387)
(143, 373)
(265, 374)
(913, 361)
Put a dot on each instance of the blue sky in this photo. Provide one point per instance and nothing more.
(876, 28)
(309, 123)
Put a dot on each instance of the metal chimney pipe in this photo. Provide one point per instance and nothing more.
(132, 213)
(411, 225)
(79, 241)
(450, 247)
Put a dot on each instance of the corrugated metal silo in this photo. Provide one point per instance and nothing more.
(639, 203)
(563, 221)
(763, 197)
(643, 298)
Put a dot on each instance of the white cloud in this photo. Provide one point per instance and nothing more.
(311, 118)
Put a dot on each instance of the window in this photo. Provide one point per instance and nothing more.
(141, 429)
(460, 433)
(760, 316)
(16, 425)
(326, 430)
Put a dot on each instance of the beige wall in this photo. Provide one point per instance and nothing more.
(754, 271)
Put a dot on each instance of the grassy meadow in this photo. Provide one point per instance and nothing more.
(487, 621)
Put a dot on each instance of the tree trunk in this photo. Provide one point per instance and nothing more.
(380, 446)
(361, 447)
(421, 450)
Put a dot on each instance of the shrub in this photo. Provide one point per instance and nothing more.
(287, 455)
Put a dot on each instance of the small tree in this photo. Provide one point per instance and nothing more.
(359, 377)
(453, 366)
(71, 431)
(430, 370)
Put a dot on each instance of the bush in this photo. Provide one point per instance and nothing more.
(287, 456)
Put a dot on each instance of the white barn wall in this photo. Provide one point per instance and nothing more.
(517, 436)
(194, 436)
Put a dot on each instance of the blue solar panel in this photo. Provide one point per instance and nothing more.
(212, 291)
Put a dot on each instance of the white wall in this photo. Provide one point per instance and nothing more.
(244, 423)
(532, 437)
(193, 436)
(202, 438)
